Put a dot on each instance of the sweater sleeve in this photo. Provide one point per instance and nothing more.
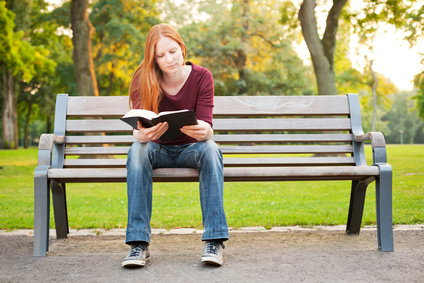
(205, 93)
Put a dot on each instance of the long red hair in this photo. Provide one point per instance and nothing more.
(145, 91)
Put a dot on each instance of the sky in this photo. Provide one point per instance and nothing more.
(396, 60)
(393, 57)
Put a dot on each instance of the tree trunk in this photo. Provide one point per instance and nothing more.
(9, 112)
(83, 59)
(241, 59)
(26, 128)
(49, 124)
(321, 50)
(374, 97)
(111, 78)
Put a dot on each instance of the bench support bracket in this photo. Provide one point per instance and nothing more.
(60, 210)
(356, 207)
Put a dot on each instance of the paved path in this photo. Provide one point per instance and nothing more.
(290, 254)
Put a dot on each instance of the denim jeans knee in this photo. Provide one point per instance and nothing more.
(205, 156)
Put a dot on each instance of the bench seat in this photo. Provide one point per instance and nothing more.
(235, 174)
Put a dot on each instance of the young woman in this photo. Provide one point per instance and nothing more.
(165, 82)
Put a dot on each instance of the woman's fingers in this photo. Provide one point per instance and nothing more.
(156, 131)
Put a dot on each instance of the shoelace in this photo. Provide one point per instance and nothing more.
(213, 247)
(136, 250)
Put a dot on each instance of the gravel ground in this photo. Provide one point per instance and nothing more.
(314, 255)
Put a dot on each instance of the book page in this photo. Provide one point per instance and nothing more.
(171, 112)
(141, 113)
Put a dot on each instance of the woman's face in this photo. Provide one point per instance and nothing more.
(168, 55)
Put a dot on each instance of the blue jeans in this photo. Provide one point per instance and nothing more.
(144, 157)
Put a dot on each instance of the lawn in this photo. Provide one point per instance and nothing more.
(247, 204)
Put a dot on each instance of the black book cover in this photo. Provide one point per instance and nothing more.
(175, 119)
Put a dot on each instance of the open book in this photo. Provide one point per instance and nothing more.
(176, 120)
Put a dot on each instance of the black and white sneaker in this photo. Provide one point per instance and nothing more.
(212, 253)
(138, 256)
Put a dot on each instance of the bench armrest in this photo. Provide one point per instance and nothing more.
(376, 138)
(378, 145)
(46, 142)
(45, 149)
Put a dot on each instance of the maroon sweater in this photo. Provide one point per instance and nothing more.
(196, 94)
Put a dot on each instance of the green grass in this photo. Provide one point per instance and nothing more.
(247, 204)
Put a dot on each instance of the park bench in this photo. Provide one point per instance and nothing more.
(263, 138)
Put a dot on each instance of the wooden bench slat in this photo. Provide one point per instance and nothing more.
(224, 139)
(94, 163)
(123, 150)
(230, 174)
(100, 106)
(228, 162)
(280, 105)
(80, 106)
(300, 149)
(288, 124)
(96, 126)
(269, 138)
(254, 124)
(118, 139)
(288, 161)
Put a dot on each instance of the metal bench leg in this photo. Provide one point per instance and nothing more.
(383, 191)
(356, 207)
(41, 211)
(60, 209)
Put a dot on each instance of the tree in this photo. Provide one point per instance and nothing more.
(242, 44)
(407, 16)
(375, 93)
(348, 78)
(36, 99)
(374, 88)
(83, 59)
(321, 50)
(415, 27)
(20, 60)
(403, 122)
(9, 62)
(364, 20)
(118, 43)
(419, 97)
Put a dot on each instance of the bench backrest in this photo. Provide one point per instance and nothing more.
(275, 130)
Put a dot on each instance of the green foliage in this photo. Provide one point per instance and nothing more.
(37, 96)
(24, 55)
(348, 79)
(351, 80)
(289, 15)
(16, 54)
(246, 49)
(118, 43)
(404, 125)
(419, 84)
(243, 43)
(60, 16)
(414, 23)
(6, 36)
(405, 15)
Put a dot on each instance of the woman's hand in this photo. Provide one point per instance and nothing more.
(201, 132)
(144, 135)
